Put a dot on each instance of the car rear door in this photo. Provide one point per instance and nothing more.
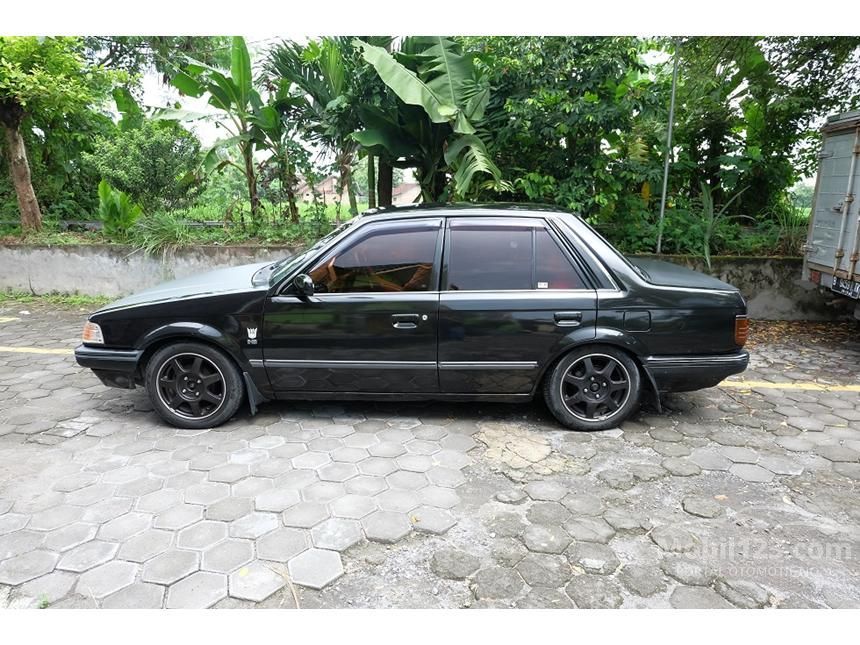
(371, 324)
(511, 300)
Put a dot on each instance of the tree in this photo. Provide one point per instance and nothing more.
(137, 54)
(233, 94)
(154, 163)
(329, 83)
(44, 78)
(434, 126)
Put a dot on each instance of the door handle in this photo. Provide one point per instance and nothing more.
(404, 321)
(568, 318)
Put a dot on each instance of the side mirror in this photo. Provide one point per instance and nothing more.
(304, 285)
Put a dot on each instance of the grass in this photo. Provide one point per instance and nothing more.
(58, 299)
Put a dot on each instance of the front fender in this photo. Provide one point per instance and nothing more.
(199, 331)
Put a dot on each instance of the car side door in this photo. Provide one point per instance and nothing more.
(371, 323)
(512, 299)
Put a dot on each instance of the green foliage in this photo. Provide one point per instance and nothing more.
(54, 299)
(116, 211)
(154, 163)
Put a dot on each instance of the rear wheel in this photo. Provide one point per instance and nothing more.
(192, 385)
(593, 388)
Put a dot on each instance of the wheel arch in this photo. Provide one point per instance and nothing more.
(615, 338)
(194, 332)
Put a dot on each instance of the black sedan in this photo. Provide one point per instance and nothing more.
(491, 303)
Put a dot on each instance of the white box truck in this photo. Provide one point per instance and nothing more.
(831, 255)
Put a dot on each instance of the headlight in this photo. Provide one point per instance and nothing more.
(92, 334)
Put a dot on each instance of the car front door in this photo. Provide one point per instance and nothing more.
(371, 323)
(511, 300)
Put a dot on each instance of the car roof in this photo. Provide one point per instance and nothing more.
(503, 209)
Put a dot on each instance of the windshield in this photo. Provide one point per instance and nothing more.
(284, 267)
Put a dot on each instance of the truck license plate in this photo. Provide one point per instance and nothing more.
(848, 288)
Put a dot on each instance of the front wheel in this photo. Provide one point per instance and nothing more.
(593, 388)
(192, 385)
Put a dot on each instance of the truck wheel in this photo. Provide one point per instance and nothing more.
(192, 385)
(593, 388)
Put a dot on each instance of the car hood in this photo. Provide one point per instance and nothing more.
(210, 283)
(668, 274)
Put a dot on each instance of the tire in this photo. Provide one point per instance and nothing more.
(579, 397)
(208, 399)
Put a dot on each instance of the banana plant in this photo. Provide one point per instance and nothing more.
(436, 124)
(711, 218)
(232, 93)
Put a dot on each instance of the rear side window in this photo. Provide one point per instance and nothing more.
(498, 257)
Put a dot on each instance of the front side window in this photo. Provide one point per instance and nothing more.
(505, 257)
(389, 257)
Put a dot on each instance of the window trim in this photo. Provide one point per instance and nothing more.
(532, 223)
(365, 230)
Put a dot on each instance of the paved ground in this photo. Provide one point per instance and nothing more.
(732, 497)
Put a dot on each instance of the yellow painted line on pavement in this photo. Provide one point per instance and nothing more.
(5, 319)
(800, 385)
(35, 350)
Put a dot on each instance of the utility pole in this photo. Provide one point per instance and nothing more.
(677, 42)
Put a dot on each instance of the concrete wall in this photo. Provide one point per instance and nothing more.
(772, 286)
(114, 270)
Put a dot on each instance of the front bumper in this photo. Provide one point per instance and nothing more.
(688, 373)
(113, 367)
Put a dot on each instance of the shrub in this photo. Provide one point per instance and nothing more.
(116, 211)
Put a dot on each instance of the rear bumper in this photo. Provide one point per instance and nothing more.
(688, 373)
(113, 367)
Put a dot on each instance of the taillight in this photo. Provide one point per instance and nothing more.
(742, 330)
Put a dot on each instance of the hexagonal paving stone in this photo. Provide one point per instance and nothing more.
(229, 473)
(125, 526)
(159, 501)
(76, 481)
(206, 493)
(106, 579)
(146, 545)
(545, 539)
(378, 466)
(400, 501)
(178, 517)
(590, 529)
(336, 534)
(255, 582)
(254, 525)
(87, 555)
(323, 491)
(252, 486)
(315, 568)
(49, 588)
(229, 509)
(497, 583)
(228, 556)
(271, 468)
(353, 506)
(337, 472)
(311, 460)
(448, 477)
(140, 595)
(366, 485)
(349, 455)
(277, 500)
(91, 494)
(283, 544)
(27, 566)
(431, 520)
(201, 535)
(386, 526)
(545, 491)
(248, 456)
(170, 566)
(54, 518)
(594, 558)
(406, 480)
(200, 590)
(305, 515)
(751, 473)
(544, 570)
(70, 536)
(439, 496)
(140, 487)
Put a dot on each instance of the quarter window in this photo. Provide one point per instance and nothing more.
(484, 257)
(386, 258)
